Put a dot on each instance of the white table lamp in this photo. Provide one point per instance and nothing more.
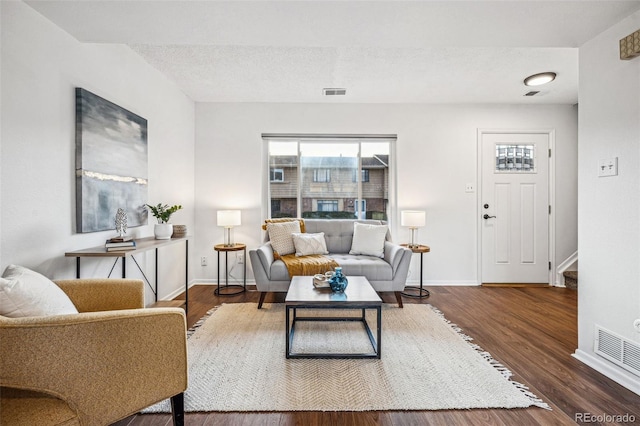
(412, 219)
(228, 219)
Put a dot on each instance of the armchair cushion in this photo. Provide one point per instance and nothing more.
(25, 293)
(35, 408)
(103, 294)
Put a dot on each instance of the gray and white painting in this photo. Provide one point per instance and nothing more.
(111, 164)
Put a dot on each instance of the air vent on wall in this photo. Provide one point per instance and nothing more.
(334, 92)
(618, 350)
(532, 93)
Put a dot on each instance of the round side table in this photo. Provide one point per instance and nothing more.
(417, 292)
(236, 288)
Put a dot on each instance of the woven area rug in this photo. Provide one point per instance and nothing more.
(237, 363)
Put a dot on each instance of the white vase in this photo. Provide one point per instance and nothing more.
(163, 231)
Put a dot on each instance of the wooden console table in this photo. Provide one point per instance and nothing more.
(142, 245)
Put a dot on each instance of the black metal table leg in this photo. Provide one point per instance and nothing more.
(421, 291)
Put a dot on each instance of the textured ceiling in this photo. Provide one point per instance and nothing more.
(380, 51)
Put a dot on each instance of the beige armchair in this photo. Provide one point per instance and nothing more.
(97, 367)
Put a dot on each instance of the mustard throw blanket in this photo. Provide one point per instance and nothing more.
(308, 265)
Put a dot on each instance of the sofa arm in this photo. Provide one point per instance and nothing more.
(394, 253)
(105, 365)
(262, 257)
(95, 295)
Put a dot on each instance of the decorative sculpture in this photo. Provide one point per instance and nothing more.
(121, 222)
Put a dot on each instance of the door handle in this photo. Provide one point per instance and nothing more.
(486, 216)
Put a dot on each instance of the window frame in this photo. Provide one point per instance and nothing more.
(325, 175)
(272, 171)
(390, 200)
(364, 176)
(333, 203)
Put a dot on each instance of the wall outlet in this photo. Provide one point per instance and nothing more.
(240, 258)
(608, 167)
(203, 261)
(469, 187)
(636, 325)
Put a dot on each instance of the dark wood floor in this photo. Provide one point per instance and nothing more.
(532, 331)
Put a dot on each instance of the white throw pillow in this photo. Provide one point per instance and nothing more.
(307, 244)
(281, 238)
(368, 239)
(25, 293)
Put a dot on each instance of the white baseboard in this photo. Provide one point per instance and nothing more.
(205, 282)
(409, 283)
(178, 291)
(439, 283)
(601, 365)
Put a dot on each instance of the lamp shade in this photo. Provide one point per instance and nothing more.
(229, 218)
(412, 218)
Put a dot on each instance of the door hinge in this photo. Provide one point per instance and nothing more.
(549, 152)
(549, 265)
(549, 208)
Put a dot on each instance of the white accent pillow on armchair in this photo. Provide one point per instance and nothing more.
(25, 293)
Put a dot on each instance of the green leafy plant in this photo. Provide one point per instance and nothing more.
(163, 212)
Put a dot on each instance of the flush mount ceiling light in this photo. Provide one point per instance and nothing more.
(539, 79)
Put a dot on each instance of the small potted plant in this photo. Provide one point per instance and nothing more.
(162, 212)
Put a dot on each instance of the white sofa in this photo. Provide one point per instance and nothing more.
(388, 273)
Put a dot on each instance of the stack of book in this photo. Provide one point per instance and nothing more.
(120, 244)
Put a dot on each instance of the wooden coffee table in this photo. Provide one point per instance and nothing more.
(358, 295)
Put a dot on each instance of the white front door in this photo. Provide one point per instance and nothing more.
(514, 207)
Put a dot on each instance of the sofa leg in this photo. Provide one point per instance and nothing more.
(399, 299)
(263, 294)
(177, 409)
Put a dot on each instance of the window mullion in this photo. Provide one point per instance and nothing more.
(299, 175)
(359, 172)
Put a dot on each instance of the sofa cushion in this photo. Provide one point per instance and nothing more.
(308, 244)
(368, 239)
(280, 235)
(373, 268)
(338, 233)
(25, 293)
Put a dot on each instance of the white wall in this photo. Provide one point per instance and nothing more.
(436, 157)
(41, 66)
(609, 209)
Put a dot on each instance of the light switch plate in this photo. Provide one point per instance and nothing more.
(608, 167)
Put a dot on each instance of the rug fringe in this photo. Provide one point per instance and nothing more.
(201, 321)
(506, 373)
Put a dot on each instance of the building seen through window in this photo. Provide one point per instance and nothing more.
(319, 179)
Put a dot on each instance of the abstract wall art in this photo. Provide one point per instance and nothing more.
(111, 164)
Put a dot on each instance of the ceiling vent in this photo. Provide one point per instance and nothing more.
(334, 92)
(532, 93)
(618, 350)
